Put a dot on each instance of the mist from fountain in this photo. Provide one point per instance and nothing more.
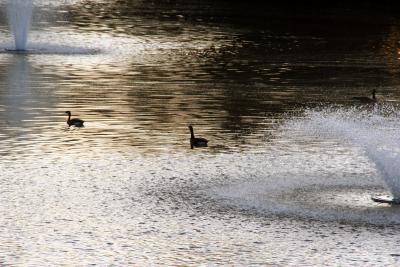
(19, 13)
(376, 131)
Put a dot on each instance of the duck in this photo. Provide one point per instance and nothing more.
(75, 122)
(366, 100)
(196, 141)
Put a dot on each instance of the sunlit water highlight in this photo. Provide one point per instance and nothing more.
(130, 209)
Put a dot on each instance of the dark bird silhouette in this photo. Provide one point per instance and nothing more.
(196, 141)
(365, 100)
(76, 122)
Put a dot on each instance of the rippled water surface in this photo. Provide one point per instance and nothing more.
(292, 160)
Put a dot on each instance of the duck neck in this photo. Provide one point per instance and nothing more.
(191, 132)
(69, 117)
(373, 95)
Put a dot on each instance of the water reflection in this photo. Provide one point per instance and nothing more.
(16, 92)
(25, 102)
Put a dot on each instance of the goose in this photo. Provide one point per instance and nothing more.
(364, 99)
(76, 122)
(196, 141)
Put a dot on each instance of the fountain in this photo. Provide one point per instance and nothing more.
(19, 14)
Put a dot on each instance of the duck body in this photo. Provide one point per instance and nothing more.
(366, 100)
(74, 122)
(196, 141)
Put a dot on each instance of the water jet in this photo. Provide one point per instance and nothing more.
(19, 14)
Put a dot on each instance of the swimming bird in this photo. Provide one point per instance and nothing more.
(196, 141)
(365, 100)
(76, 122)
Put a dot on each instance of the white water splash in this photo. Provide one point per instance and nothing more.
(376, 130)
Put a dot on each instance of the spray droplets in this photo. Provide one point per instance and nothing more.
(375, 130)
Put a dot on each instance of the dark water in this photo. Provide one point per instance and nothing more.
(127, 189)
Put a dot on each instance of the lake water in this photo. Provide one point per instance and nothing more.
(292, 160)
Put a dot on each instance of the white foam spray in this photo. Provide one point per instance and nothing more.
(376, 130)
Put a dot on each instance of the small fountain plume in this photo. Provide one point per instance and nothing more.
(19, 14)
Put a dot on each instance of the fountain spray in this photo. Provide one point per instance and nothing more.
(19, 13)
